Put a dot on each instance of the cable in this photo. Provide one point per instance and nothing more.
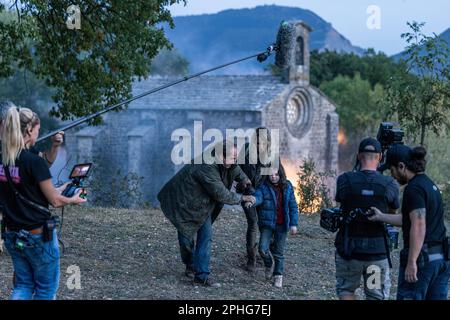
(60, 232)
(58, 181)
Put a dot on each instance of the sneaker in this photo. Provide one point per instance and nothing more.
(208, 282)
(278, 282)
(189, 272)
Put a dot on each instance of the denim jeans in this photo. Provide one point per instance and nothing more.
(36, 267)
(279, 236)
(197, 254)
(252, 227)
(432, 284)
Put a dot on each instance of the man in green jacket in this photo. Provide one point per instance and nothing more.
(189, 200)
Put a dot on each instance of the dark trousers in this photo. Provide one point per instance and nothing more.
(432, 284)
(252, 231)
(197, 254)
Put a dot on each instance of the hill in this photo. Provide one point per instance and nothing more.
(211, 39)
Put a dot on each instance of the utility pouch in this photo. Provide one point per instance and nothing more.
(22, 240)
(446, 246)
(422, 259)
(50, 225)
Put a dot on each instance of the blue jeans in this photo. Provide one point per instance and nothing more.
(197, 255)
(36, 267)
(432, 284)
(279, 236)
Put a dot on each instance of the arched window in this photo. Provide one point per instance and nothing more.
(300, 52)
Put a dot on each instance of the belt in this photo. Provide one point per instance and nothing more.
(436, 249)
(435, 256)
(33, 231)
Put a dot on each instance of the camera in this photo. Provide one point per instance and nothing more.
(388, 135)
(332, 219)
(78, 175)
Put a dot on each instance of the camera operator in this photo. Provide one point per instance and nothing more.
(253, 172)
(361, 245)
(26, 191)
(190, 199)
(424, 272)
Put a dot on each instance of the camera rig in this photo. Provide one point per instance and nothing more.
(78, 175)
(332, 219)
(388, 136)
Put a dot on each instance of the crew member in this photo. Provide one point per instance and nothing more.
(361, 245)
(26, 191)
(424, 267)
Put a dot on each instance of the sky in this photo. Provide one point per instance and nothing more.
(387, 18)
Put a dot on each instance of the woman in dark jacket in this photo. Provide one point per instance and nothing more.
(277, 215)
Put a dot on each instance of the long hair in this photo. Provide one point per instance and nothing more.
(15, 126)
(417, 162)
(282, 173)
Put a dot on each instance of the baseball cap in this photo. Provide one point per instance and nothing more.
(370, 145)
(396, 154)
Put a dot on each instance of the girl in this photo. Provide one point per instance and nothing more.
(278, 214)
(26, 190)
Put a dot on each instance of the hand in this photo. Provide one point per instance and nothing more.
(62, 187)
(58, 139)
(376, 214)
(250, 199)
(293, 231)
(247, 204)
(411, 272)
(77, 199)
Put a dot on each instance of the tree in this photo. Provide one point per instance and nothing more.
(419, 95)
(374, 67)
(169, 63)
(358, 109)
(90, 67)
(312, 190)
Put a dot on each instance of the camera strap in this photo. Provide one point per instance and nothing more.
(21, 197)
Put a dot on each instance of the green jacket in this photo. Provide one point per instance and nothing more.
(195, 191)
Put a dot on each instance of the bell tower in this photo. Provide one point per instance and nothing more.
(293, 57)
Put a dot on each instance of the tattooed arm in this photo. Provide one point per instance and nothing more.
(416, 239)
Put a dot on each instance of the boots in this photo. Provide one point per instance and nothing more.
(251, 259)
(278, 281)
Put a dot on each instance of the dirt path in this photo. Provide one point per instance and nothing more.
(127, 254)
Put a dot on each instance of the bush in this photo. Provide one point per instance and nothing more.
(312, 189)
(120, 191)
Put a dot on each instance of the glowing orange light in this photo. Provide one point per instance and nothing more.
(342, 138)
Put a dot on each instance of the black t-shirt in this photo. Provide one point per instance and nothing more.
(28, 172)
(421, 192)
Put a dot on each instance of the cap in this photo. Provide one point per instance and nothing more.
(370, 145)
(397, 153)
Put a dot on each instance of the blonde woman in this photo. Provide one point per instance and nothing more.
(26, 191)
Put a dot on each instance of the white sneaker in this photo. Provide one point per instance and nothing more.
(278, 282)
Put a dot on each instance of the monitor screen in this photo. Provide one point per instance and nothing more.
(80, 170)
